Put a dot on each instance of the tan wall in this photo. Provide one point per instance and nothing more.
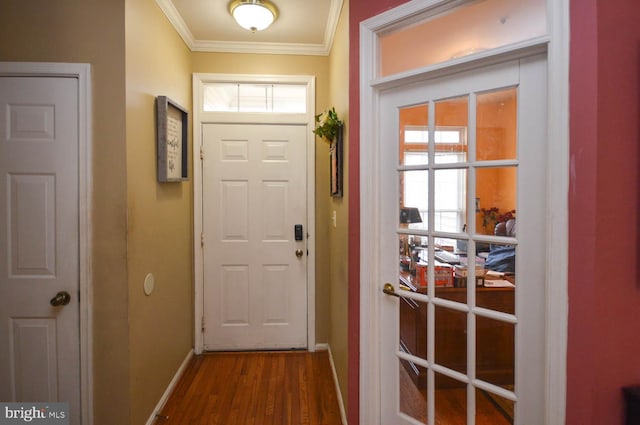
(234, 63)
(160, 215)
(338, 236)
(91, 32)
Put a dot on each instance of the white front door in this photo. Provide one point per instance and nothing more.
(255, 269)
(39, 342)
(465, 341)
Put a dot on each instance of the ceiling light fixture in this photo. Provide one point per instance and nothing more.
(254, 15)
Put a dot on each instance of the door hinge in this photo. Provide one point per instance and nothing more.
(201, 239)
(201, 153)
(202, 324)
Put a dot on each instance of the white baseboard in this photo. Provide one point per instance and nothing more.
(343, 412)
(322, 346)
(170, 388)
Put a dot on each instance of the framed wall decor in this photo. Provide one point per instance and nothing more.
(335, 161)
(172, 140)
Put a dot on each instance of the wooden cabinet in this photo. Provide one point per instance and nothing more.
(494, 339)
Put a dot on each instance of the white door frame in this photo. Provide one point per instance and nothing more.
(556, 44)
(81, 72)
(200, 117)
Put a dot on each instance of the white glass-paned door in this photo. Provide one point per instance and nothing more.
(465, 163)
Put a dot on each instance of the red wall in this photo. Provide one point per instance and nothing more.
(582, 227)
(604, 281)
(359, 10)
(604, 229)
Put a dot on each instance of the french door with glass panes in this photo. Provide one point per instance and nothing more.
(463, 168)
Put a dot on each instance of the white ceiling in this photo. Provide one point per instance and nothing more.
(303, 27)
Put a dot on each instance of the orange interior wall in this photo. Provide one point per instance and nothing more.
(496, 138)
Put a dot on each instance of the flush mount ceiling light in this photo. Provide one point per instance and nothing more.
(254, 15)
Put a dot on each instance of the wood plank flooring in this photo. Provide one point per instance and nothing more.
(451, 405)
(257, 388)
(289, 388)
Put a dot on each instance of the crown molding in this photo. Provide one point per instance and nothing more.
(332, 24)
(176, 20)
(194, 45)
(264, 48)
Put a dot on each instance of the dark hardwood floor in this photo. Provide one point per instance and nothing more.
(291, 388)
(451, 405)
(257, 388)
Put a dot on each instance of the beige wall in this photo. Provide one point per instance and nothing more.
(234, 63)
(338, 236)
(91, 32)
(159, 215)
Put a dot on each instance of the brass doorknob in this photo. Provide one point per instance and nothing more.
(299, 253)
(61, 298)
(389, 290)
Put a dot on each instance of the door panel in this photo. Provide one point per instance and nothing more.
(463, 342)
(254, 192)
(34, 377)
(32, 228)
(39, 343)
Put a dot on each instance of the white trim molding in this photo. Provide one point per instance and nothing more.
(558, 22)
(314, 49)
(172, 385)
(81, 72)
(556, 46)
(200, 117)
(343, 411)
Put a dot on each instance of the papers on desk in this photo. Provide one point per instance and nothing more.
(498, 283)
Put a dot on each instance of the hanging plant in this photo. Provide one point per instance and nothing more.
(327, 125)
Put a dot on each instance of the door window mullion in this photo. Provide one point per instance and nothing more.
(471, 299)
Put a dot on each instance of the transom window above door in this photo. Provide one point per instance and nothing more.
(255, 97)
(470, 27)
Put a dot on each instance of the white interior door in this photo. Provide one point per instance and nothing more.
(255, 271)
(462, 345)
(39, 342)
